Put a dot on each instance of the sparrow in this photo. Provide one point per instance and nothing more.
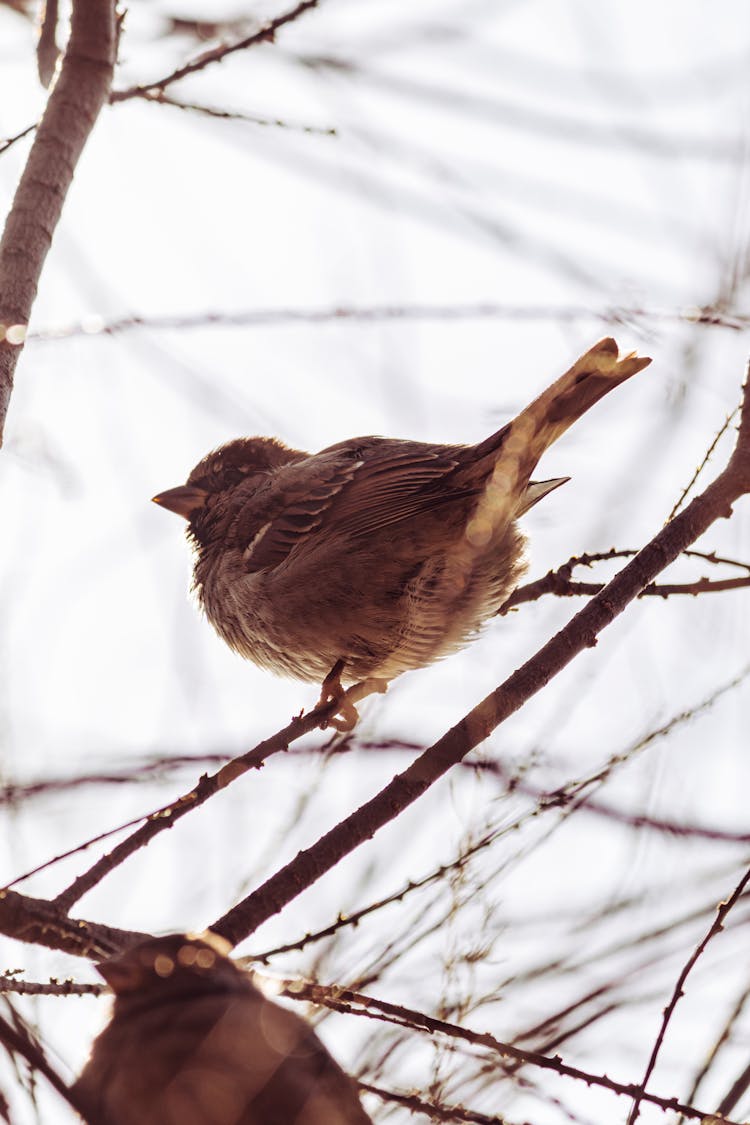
(192, 1041)
(376, 555)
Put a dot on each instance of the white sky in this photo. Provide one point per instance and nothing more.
(521, 154)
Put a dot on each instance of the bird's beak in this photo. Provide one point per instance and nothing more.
(184, 500)
(120, 974)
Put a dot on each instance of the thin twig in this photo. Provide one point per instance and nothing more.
(9, 983)
(355, 1003)
(555, 583)
(707, 456)
(374, 314)
(10, 141)
(679, 990)
(160, 98)
(207, 787)
(265, 34)
(580, 633)
(559, 581)
(722, 1040)
(572, 792)
(433, 1110)
(735, 1092)
(19, 1040)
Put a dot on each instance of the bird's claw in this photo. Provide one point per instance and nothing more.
(346, 715)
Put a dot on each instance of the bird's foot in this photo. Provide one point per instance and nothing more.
(346, 716)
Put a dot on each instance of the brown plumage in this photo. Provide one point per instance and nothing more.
(192, 1041)
(381, 554)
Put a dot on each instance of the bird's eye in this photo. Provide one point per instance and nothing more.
(232, 476)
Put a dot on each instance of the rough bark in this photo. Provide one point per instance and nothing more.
(81, 89)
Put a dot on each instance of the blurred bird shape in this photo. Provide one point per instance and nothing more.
(192, 1041)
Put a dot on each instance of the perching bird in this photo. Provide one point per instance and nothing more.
(375, 555)
(192, 1041)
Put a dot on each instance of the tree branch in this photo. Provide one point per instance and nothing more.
(560, 581)
(265, 34)
(35, 920)
(376, 314)
(580, 633)
(39, 922)
(207, 787)
(679, 990)
(358, 1004)
(19, 1040)
(74, 104)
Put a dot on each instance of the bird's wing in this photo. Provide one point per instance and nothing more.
(353, 489)
(294, 507)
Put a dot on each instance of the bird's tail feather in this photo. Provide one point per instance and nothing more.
(591, 377)
(512, 453)
(515, 450)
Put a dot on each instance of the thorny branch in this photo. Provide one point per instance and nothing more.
(561, 583)
(265, 34)
(235, 115)
(433, 1110)
(716, 927)
(706, 458)
(355, 1003)
(580, 633)
(9, 983)
(167, 815)
(207, 787)
(49, 924)
(574, 792)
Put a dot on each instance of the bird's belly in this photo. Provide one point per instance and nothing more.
(302, 628)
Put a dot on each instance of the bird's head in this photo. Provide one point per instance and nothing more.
(177, 962)
(206, 499)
